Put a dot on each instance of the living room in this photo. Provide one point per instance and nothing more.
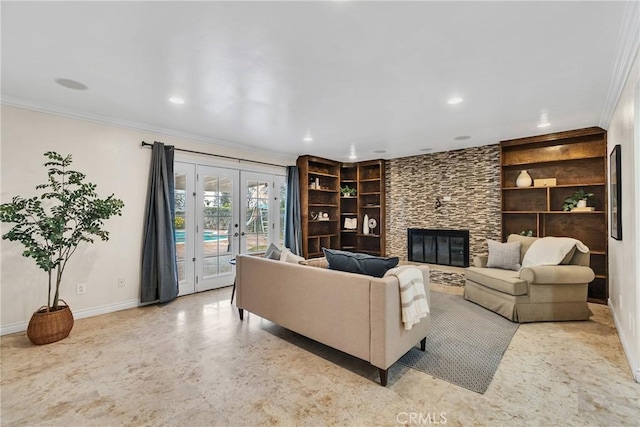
(108, 149)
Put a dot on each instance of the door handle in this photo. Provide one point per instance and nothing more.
(242, 234)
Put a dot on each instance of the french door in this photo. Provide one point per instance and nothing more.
(221, 212)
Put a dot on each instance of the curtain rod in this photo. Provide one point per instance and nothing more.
(146, 144)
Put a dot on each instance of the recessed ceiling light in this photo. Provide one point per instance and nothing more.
(379, 151)
(462, 137)
(453, 101)
(71, 84)
(176, 100)
(544, 125)
(426, 149)
(352, 152)
(307, 139)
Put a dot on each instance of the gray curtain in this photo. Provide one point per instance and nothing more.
(159, 264)
(292, 228)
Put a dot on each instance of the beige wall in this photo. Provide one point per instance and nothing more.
(113, 159)
(624, 255)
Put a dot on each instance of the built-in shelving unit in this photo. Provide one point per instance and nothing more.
(367, 178)
(320, 204)
(577, 160)
(371, 202)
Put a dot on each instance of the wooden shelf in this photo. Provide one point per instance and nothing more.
(577, 159)
(369, 235)
(348, 213)
(329, 175)
(324, 189)
(322, 205)
(348, 231)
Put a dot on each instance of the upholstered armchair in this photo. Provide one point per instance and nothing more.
(528, 292)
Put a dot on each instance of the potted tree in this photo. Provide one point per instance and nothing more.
(51, 226)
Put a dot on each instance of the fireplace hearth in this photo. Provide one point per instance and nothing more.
(436, 246)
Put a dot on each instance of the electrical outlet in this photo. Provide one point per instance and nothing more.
(81, 288)
(446, 198)
(121, 283)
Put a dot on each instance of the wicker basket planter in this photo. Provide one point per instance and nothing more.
(46, 326)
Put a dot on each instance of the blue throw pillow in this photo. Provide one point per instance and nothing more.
(359, 263)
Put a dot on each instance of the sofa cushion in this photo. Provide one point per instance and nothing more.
(273, 252)
(288, 256)
(316, 262)
(504, 255)
(506, 281)
(359, 263)
(525, 243)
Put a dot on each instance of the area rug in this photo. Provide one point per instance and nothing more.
(465, 344)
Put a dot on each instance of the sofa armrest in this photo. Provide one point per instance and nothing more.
(389, 340)
(557, 274)
(480, 261)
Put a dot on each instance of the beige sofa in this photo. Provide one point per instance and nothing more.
(533, 294)
(357, 314)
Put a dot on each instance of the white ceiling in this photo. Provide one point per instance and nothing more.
(359, 76)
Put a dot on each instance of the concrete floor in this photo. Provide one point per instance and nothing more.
(193, 363)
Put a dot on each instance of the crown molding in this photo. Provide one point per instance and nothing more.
(131, 125)
(626, 52)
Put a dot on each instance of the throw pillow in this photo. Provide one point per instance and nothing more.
(288, 256)
(504, 255)
(316, 262)
(359, 263)
(273, 252)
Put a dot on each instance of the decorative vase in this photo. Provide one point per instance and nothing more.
(46, 327)
(365, 226)
(582, 203)
(524, 180)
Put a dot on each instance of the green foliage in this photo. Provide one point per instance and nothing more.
(347, 191)
(572, 201)
(528, 233)
(179, 223)
(52, 225)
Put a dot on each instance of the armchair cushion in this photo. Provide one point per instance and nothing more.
(506, 281)
(504, 255)
(557, 274)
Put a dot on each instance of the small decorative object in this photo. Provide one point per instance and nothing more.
(615, 179)
(570, 203)
(317, 183)
(365, 225)
(528, 233)
(348, 191)
(313, 215)
(325, 215)
(372, 224)
(524, 179)
(51, 227)
(350, 223)
(545, 182)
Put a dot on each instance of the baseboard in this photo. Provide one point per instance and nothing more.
(77, 314)
(633, 364)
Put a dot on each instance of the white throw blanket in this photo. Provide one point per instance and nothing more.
(551, 250)
(413, 297)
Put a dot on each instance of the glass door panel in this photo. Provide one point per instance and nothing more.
(184, 180)
(256, 212)
(215, 234)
